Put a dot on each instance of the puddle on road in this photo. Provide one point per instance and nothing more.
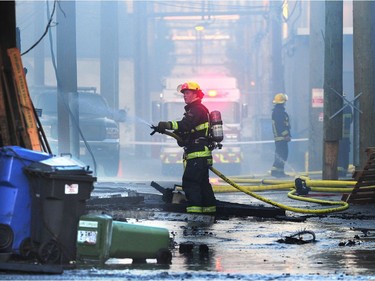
(247, 249)
(250, 246)
(243, 249)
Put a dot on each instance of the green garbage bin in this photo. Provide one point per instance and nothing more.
(94, 238)
(100, 238)
(137, 242)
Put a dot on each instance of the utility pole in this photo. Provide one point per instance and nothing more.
(317, 27)
(7, 26)
(109, 54)
(9, 122)
(277, 62)
(333, 100)
(142, 95)
(67, 105)
(364, 82)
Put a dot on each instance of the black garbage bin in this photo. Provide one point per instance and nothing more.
(60, 187)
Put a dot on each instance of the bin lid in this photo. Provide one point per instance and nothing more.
(23, 153)
(60, 165)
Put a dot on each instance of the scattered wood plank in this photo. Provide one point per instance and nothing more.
(364, 190)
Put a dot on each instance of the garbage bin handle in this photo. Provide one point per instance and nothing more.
(66, 154)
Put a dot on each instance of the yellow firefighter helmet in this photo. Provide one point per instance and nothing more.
(280, 98)
(190, 85)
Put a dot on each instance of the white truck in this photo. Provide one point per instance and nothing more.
(222, 94)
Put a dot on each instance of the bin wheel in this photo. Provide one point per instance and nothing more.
(164, 256)
(6, 238)
(49, 252)
(26, 248)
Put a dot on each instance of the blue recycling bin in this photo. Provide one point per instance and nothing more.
(15, 198)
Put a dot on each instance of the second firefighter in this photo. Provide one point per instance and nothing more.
(281, 132)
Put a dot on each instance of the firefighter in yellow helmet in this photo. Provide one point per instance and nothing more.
(193, 129)
(281, 132)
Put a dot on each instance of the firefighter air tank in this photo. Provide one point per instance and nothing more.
(216, 126)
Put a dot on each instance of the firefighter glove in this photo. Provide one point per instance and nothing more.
(162, 126)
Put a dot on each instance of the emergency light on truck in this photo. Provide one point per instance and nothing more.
(212, 93)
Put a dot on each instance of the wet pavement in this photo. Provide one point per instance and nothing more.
(250, 248)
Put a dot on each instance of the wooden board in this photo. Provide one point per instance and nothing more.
(26, 105)
(364, 190)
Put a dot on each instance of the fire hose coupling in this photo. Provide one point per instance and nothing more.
(301, 187)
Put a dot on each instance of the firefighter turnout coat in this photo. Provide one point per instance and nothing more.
(193, 129)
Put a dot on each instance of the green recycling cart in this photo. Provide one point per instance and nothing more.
(100, 238)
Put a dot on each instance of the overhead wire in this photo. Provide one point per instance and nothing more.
(45, 31)
(216, 7)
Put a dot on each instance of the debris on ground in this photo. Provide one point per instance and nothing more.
(300, 237)
(351, 242)
(367, 232)
(188, 247)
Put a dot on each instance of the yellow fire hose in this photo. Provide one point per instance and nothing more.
(343, 205)
(291, 194)
(309, 182)
(282, 186)
(270, 184)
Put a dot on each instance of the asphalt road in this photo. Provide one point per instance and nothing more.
(250, 248)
